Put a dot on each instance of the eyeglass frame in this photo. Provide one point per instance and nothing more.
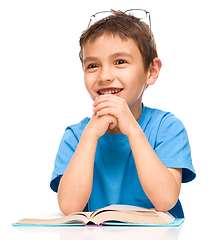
(130, 10)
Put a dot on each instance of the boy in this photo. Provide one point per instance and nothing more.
(126, 153)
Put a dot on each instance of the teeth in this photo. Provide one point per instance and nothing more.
(110, 92)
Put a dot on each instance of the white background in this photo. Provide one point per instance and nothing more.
(42, 91)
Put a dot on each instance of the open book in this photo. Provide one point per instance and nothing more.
(111, 215)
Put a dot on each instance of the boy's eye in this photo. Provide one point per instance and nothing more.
(92, 66)
(120, 62)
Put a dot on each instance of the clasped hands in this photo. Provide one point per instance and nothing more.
(111, 111)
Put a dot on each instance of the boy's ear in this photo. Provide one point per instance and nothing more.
(153, 71)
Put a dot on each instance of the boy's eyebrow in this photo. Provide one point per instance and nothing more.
(121, 54)
(90, 59)
(114, 55)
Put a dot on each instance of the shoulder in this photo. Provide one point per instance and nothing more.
(77, 129)
(81, 125)
(163, 127)
(157, 114)
(160, 119)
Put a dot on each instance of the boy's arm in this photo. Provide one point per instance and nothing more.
(161, 185)
(76, 184)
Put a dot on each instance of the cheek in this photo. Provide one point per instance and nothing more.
(135, 83)
(87, 82)
(139, 78)
(133, 79)
(89, 86)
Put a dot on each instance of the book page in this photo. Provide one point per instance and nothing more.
(136, 217)
(127, 213)
(130, 208)
(122, 208)
(166, 216)
(73, 218)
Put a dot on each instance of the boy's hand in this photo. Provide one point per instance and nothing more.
(98, 125)
(115, 106)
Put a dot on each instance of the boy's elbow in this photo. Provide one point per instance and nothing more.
(67, 207)
(164, 205)
(67, 210)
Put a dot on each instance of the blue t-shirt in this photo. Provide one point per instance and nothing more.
(115, 179)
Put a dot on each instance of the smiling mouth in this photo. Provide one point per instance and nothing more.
(114, 91)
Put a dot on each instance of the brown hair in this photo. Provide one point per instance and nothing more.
(125, 26)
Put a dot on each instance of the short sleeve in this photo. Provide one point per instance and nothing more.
(173, 148)
(66, 150)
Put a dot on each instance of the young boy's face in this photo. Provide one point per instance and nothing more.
(114, 66)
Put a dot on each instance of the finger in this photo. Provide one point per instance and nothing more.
(112, 122)
(105, 98)
(103, 105)
(99, 100)
(112, 125)
(107, 111)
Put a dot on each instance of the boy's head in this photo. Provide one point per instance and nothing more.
(125, 26)
(115, 54)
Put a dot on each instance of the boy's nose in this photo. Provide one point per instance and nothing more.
(106, 76)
